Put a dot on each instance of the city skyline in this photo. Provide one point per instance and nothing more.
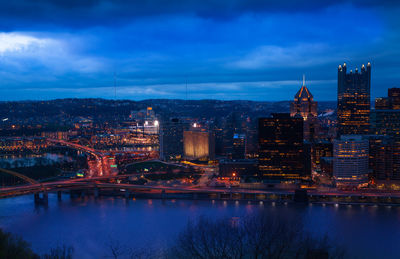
(253, 50)
(199, 129)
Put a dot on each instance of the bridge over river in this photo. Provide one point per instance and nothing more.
(98, 186)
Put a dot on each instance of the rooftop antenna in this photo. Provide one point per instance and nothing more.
(304, 79)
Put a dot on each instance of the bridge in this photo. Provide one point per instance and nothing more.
(101, 166)
(96, 152)
(21, 176)
(96, 186)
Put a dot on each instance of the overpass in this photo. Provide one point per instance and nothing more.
(96, 187)
(101, 164)
(95, 153)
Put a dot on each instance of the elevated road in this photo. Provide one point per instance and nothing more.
(97, 183)
(21, 176)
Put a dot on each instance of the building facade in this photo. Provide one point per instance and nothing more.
(198, 145)
(319, 150)
(353, 100)
(305, 107)
(171, 139)
(385, 120)
(350, 161)
(380, 156)
(239, 146)
(239, 169)
(281, 149)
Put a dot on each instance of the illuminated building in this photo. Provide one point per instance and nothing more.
(380, 156)
(238, 169)
(20, 144)
(171, 139)
(350, 160)
(382, 103)
(239, 146)
(305, 107)
(281, 149)
(326, 164)
(319, 150)
(394, 98)
(146, 121)
(198, 145)
(251, 143)
(385, 120)
(353, 103)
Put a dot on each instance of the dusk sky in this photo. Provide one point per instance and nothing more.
(255, 50)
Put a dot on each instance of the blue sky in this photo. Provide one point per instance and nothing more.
(256, 50)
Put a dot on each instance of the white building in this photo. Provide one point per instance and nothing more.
(350, 163)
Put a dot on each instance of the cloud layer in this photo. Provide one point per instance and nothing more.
(222, 49)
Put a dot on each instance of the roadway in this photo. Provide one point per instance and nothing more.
(98, 182)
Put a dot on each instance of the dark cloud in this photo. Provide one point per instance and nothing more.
(224, 48)
(20, 14)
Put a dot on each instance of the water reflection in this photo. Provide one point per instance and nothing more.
(87, 223)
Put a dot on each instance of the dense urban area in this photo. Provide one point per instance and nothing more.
(299, 144)
(300, 151)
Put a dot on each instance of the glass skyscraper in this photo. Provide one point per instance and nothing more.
(353, 100)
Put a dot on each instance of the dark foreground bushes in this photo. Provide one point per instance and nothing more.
(256, 236)
(14, 247)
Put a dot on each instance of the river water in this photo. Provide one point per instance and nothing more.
(91, 225)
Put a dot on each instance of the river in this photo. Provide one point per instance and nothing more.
(90, 225)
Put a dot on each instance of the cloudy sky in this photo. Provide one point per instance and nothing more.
(222, 49)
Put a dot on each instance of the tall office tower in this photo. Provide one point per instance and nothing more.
(239, 146)
(350, 160)
(171, 139)
(353, 100)
(231, 125)
(281, 149)
(380, 156)
(198, 144)
(385, 120)
(305, 107)
(251, 142)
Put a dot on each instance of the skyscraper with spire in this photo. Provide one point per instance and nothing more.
(353, 100)
(305, 107)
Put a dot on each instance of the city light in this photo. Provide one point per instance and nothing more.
(194, 109)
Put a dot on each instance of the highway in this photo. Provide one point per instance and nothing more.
(99, 182)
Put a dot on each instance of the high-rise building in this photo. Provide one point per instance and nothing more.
(198, 144)
(239, 146)
(350, 160)
(281, 149)
(319, 150)
(380, 156)
(171, 139)
(305, 107)
(385, 120)
(353, 100)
